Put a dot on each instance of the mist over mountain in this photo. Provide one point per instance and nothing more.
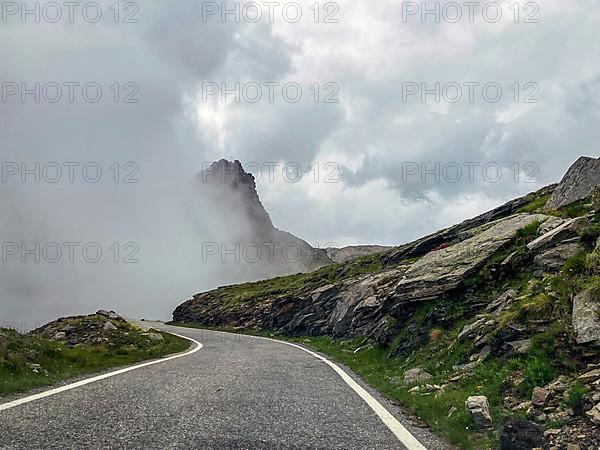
(257, 246)
(138, 247)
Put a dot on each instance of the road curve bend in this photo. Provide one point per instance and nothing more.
(237, 392)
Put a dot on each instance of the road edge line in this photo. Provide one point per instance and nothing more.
(402, 434)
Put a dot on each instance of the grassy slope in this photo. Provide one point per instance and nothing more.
(18, 354)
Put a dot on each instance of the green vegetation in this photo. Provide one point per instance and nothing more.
(576, 209)
(589, 235)
(575, 395)
(536, 205)
(28, 362)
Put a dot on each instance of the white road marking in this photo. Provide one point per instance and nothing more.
(403, 435)
(68, 387)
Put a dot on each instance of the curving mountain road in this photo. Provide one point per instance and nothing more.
(236, 392)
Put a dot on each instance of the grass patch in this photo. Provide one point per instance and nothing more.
(576, 209)
(28, 362)
(535, 206)
(575, 396)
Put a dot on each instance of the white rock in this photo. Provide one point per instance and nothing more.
(478, 409)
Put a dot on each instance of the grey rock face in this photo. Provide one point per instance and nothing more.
(469, 330)
(108, 326)
(550, 224)
(109, 315)
(463, 230)
(553, 259)
(367, 304)
(586, 317)
(440, 271)
(502, 302)
(578, 183)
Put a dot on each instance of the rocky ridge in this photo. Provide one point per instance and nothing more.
(515, 291)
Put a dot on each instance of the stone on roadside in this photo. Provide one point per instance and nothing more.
(478, 409)
(154, 336)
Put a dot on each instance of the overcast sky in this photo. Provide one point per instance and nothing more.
(360, 137)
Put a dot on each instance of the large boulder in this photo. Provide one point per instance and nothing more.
(594, 414)
(539, 396)
(553, 259)
(586, 317)
(578, 183)
(440, 271)
(566, 230)
(478, 409)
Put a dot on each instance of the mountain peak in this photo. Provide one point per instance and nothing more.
(235, 198)
(578, 183)
(229, 181)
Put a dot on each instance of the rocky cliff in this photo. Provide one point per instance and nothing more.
(232, 199)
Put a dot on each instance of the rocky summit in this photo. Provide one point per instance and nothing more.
(578, 183)
(231, 196)
(500, 312)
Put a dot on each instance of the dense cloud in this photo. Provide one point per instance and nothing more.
(373, 135)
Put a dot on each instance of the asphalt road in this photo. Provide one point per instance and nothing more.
(237, 392)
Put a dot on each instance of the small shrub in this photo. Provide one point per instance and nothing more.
(538, 371)
(575, 265)
(592, 263)
(575, 396)
(435, 334)
(589, 235)
(528, 232)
